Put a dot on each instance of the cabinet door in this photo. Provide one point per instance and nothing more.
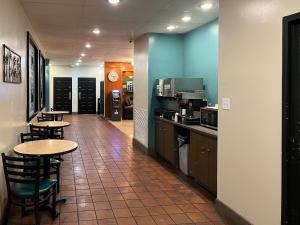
(199, 158)
(212, 165)
(170, 146)
(159, 138)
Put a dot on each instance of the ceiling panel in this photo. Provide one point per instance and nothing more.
(64, 26)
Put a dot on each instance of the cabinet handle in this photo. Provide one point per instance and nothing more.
(208, 150)
(203, 152)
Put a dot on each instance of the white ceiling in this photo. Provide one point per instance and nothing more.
(64, 26)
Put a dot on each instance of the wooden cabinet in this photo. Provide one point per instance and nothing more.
(165, 141)
(203, 160)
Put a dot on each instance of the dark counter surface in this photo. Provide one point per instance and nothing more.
(195, 128)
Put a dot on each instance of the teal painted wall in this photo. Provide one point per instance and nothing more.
(165, 60)
(200, 57)
(194, 54)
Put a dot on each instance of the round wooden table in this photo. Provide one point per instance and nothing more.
(46, 149)
(55, 114)
(51, 125)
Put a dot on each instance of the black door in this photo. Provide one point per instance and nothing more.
(101, 110)
(62, 93)
(87, 95)
(291, 121)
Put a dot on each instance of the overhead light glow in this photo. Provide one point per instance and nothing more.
(96, 31)
(186, 18)
(88, 45)
(114, 2)
(206, 6)
(77, 64)
(83, 54)
(79, 60)
(171, 27)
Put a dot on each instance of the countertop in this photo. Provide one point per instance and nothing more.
(196, 128)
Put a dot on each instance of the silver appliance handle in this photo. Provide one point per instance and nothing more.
(70, 95)
(79, 96)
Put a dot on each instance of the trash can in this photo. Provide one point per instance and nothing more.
(183, 153)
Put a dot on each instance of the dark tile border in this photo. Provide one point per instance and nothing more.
(231, 216)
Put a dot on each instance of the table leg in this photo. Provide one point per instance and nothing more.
(51, 135)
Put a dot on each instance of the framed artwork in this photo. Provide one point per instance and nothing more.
(32, 78)
(42, 77)
(11, 66)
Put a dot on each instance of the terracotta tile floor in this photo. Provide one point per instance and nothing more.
(106, 182)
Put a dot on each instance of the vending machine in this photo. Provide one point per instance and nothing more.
(115, 105)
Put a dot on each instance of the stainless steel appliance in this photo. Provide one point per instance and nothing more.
(159, 87)
(169, 87)
(115, 105)
(209, 117)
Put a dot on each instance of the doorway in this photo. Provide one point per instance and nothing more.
(87, 95)
(62, 90)
(291, 121)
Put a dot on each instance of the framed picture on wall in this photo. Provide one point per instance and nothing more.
(32, 78)
(42, 77)
(11, 66)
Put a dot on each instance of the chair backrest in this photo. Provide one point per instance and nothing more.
(19, 170)
(38, 130)
(25, 137)
(46, 117)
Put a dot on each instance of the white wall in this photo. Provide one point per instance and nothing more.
(249, 140)
(140, 106)
(13, 27)
(76, 72)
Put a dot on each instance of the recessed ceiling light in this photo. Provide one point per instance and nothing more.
(171, 27)
(206, 6)
(96, 31)
(186, 18)
(88, 45)
(83, 54)
(77, 64)
(114, 2)
(79, 60)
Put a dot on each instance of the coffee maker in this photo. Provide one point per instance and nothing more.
(189, 106)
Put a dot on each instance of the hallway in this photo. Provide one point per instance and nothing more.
(107, 182)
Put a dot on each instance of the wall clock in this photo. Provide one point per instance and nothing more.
(113, 76)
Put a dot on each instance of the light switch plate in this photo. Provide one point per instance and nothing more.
(226, 103)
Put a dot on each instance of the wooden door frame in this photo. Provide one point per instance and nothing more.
(71, 92)
(288, 21)
(94, 78)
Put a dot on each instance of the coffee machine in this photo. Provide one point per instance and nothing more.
(190, 104)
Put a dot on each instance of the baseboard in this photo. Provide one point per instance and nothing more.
(230, 215)
(136, 143)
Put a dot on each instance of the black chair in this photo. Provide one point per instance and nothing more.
(24, 186)
(39, 130)
(54, 163)
(59, 132)
(45, 117)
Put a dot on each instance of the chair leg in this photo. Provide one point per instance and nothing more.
(23, 213)
(58, 178)
(37, 213)
(6, 215)
(54, 213)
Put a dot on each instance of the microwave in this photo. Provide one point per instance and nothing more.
(209, 117)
